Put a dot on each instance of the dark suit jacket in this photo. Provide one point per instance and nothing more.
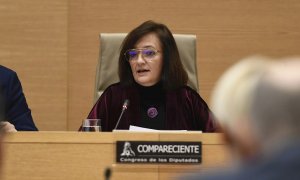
(284, 164)
(16, 110)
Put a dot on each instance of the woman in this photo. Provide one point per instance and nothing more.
(152, 78)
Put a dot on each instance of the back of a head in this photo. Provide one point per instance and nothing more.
(232, 94)
(276, 103)
(231, 101)
(257, 102)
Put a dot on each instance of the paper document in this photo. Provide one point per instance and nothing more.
(141, 129)
(137, 128)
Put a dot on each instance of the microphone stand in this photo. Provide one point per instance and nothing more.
(125, 105)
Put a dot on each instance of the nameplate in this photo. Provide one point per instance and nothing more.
(158, 152)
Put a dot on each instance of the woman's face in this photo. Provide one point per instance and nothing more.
(146, 67)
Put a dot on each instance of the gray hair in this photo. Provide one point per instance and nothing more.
(275, 107)
(232, 95)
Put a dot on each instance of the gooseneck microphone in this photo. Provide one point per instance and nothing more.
(107, 173)
(124, 107)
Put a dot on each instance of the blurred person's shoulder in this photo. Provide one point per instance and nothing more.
(220, 175)
(283, 165)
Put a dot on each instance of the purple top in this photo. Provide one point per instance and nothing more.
(185, 109)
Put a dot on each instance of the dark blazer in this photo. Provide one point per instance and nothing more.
(185, 109)
(283, 164)
(16, 110)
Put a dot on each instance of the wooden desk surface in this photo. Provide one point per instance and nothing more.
(77, 155)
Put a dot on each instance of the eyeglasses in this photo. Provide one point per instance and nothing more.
(147, 54)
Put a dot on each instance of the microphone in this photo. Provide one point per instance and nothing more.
(107, 173)
(124, 107)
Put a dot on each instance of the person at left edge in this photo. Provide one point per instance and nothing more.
(153, 79)
(17, 115)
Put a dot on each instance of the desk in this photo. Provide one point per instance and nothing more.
(77, 155)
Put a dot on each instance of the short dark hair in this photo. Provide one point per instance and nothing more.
(173, 73)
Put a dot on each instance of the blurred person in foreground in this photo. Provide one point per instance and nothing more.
(17, 115)
(153, 79)
(257, 103)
